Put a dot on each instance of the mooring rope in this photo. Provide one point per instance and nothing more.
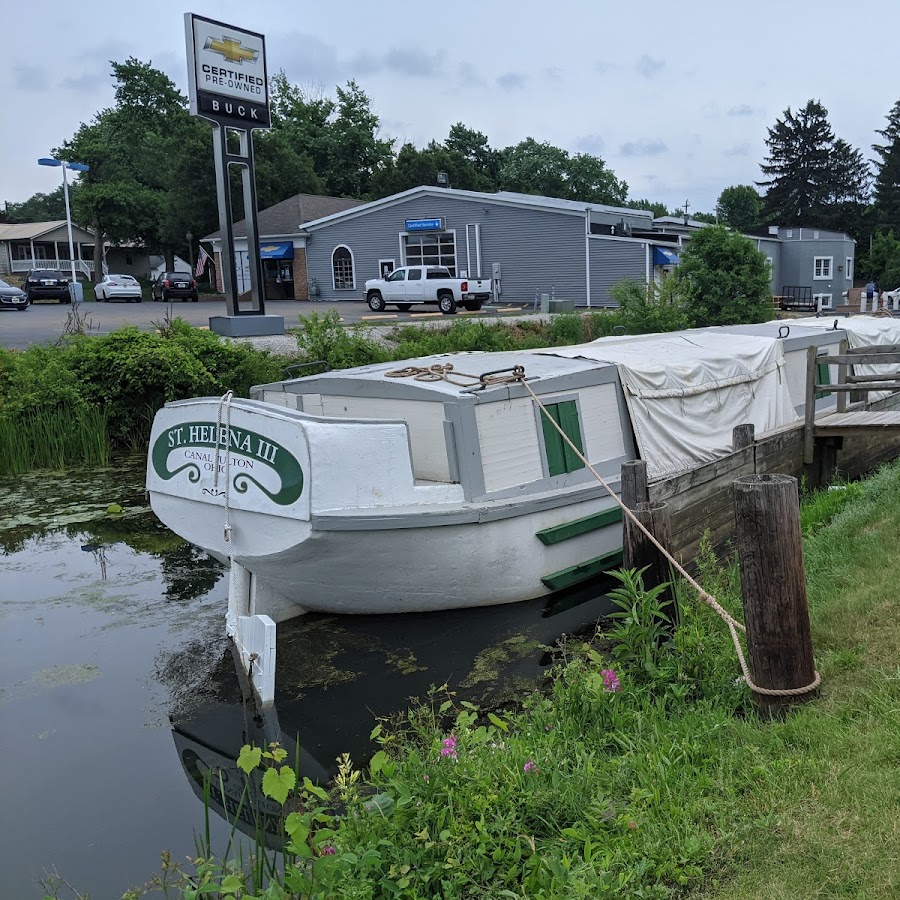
(517, 374)
(224, 400)
(446, 372)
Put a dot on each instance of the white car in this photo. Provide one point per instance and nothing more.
(117, 287)
(409, 285)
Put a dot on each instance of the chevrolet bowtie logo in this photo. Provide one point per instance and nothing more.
(231, 49)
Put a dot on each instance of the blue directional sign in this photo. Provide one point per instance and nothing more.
(424, 224)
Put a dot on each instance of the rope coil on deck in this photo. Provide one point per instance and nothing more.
(517, 374)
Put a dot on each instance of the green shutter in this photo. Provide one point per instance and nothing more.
(560, 457)
(553, 442)
(823, 376)
(568, 418)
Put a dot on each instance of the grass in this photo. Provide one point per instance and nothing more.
(657, 782)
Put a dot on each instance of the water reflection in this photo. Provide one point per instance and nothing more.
(336, 674)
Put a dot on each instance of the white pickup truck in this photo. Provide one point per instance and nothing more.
(409, 285)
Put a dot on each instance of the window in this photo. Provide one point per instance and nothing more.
(848, 271)
(399, 275)
(789, 233)
(822, 266)
(825, 298)
(434, 249)
(342, 269)
(815, 235)
(414, 275)
(560, 457)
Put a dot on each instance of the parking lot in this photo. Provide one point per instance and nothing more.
(46, 321)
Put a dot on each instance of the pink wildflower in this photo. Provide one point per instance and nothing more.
(328, 850)
(530, 766)
(632, 824)
(449, 747)
(610, 681)
(425, 778)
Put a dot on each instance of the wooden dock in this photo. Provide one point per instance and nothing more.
(822, 437)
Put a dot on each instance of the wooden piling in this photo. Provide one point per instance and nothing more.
(743, 436)
(639, 552)
(770, 549)
(634, 483)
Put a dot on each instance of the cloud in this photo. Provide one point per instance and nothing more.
(467, 75)
(306, 59)
(409, 63)
(30, 78)
(512, 81)
(591, 143)
(86, 81)
(743, 110)
(649, 67)
(737, 150)
(601, 67)
(553, 73)
(643, 148)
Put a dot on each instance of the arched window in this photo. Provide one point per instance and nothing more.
(342, 269)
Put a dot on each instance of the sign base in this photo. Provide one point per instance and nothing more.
(246, 326)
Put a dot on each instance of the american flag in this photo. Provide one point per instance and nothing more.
(201, 262)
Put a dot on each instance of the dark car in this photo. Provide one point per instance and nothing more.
(12, 296)
(174, 286)
(41, 283)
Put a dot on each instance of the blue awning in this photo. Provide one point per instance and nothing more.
(277, 251)
(664, 257)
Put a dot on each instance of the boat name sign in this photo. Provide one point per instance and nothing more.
(256, 462)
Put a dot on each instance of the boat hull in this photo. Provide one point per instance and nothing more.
(411, 569)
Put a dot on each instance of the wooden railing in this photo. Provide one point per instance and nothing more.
(849, 387)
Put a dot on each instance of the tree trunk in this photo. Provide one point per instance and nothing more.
(98, 252)
(170, 260)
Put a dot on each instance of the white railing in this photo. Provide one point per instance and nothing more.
(85, 267)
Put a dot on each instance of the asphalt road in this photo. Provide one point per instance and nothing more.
(46, 322)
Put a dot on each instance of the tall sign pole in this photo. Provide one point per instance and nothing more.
(228, 85)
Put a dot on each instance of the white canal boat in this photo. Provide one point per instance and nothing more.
(359, 491)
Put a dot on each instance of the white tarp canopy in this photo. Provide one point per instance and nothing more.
(863, 331)
(685, 394)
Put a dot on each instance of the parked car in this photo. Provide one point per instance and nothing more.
(12, 296)
(117, 287)
(409, 285)
(174, 286)
(41, 283)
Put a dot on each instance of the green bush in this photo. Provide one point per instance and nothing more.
(322, 338)
(648, 308)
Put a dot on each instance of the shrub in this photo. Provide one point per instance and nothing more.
(648, 308)
(323, 337)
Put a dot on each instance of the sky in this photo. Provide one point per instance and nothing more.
(675, 97)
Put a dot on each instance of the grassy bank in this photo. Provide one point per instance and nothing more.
(641, 770)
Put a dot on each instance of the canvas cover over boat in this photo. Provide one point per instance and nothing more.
(862, 331)
(685, 393)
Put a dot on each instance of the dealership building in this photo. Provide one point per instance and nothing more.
(325, 248)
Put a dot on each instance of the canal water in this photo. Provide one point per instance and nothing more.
(118, 691)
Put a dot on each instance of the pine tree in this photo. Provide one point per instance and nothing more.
(815, 178)
(887, 178)
(798, 166)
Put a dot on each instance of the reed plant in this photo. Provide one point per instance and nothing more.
(54, 438)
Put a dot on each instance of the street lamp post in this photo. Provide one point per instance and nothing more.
(190, 238)
(76, 167)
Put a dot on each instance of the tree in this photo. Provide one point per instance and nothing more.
(882, 264)
(887, 177)
(722, 279)
(658, 209)
(740, 207)
(37, 208)
(355, 152)
(814, 178)
(532, 167)
(150, 179)
(473, 146)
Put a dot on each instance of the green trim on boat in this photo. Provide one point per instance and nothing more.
(567, 530)
(583, 571)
